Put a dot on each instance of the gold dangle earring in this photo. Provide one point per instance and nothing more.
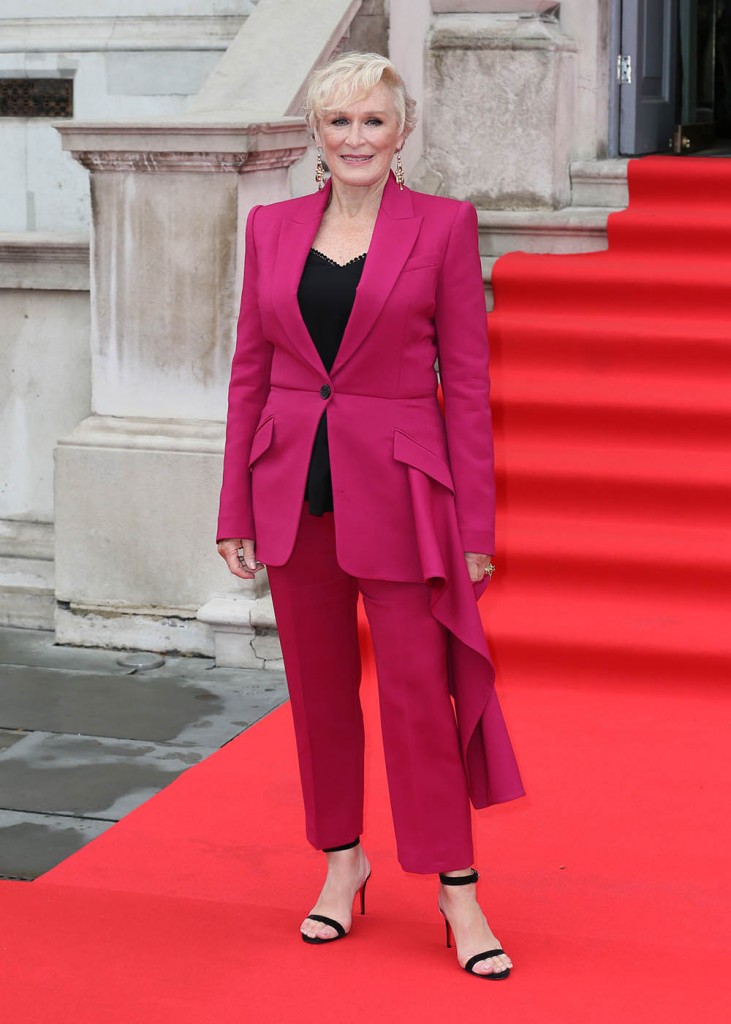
(399, 170)
(320, 170)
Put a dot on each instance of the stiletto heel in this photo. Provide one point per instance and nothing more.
(471, 879)
(330, 921)
(362, 894)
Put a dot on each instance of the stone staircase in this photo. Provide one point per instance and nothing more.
(598, 188)
(27, 596)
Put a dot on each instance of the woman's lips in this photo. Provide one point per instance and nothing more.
(355, 159)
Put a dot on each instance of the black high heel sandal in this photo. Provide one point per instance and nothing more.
(330, 921)
(473, 960)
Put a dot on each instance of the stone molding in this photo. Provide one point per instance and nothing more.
(571, 229)
(173, 146)
(600, 183)
(495, 6)
(146, 434)
(41, 247)
(84, 35)
(497, 32)
(26, 538)
(142, 629)
(46, 261)
(203, 163)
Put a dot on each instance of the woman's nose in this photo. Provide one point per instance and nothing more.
(355, 135)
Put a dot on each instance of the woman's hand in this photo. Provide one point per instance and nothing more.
(478, 565)
(240, 557)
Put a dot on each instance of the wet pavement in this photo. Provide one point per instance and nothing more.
(85, 739)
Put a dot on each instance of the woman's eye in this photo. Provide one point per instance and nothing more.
(339, 121)
(374, 120)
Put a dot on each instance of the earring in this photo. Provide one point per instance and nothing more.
(319, 170)
(399, 170)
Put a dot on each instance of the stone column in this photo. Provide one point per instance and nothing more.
(137, 482)
(501, 95)
(408, 31)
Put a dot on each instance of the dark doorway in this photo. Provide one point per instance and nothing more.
(674, 77)
(723, 69)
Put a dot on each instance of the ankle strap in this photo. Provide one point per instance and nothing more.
(459, 879)
(348, 846)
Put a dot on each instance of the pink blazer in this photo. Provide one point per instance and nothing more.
(421, 296)
(413, 489)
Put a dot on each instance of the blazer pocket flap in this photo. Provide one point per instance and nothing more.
(262, 440)
(423, 262)
(413, 453)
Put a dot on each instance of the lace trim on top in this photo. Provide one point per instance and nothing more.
(334, 262)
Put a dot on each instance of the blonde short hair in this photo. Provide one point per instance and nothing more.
(352, 76)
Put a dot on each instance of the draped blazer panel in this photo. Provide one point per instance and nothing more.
(420, 298)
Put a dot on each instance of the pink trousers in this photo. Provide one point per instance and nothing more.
(315, 604)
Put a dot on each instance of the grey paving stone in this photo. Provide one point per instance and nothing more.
(10, 736)
(36, 647)
(34, 843)
(144, 707)
(86, 776)
(83, 740)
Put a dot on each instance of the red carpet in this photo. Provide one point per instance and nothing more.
(613, 438)
(609, 883)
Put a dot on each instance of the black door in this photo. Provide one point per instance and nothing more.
(648, 93)
(675, 76)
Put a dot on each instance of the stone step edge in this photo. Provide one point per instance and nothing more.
(600, 182)
(566, 218)
(566, 231)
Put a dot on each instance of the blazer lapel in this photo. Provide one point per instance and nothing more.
(394, 235)
(296, 236)
(393, 239)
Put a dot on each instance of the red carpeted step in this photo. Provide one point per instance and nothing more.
(679, 346)
(594, 611)
(688, 183)
(631, 282)
(644, 556)
(631, 482)
(584, 634)
(614, 407)
(701, 233)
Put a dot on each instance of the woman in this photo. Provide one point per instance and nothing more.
(358, 484)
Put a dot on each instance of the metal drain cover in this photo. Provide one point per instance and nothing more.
(141, 661)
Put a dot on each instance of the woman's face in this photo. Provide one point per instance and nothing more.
(359, 143)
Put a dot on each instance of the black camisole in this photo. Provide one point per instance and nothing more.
(325, 295)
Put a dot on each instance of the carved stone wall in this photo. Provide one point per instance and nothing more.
(500, 94)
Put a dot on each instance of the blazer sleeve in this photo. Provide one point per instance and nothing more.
(461, 329)
(247, 393)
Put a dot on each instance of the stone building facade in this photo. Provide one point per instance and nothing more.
(121, 253)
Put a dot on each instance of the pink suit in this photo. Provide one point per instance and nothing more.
(413, 488)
